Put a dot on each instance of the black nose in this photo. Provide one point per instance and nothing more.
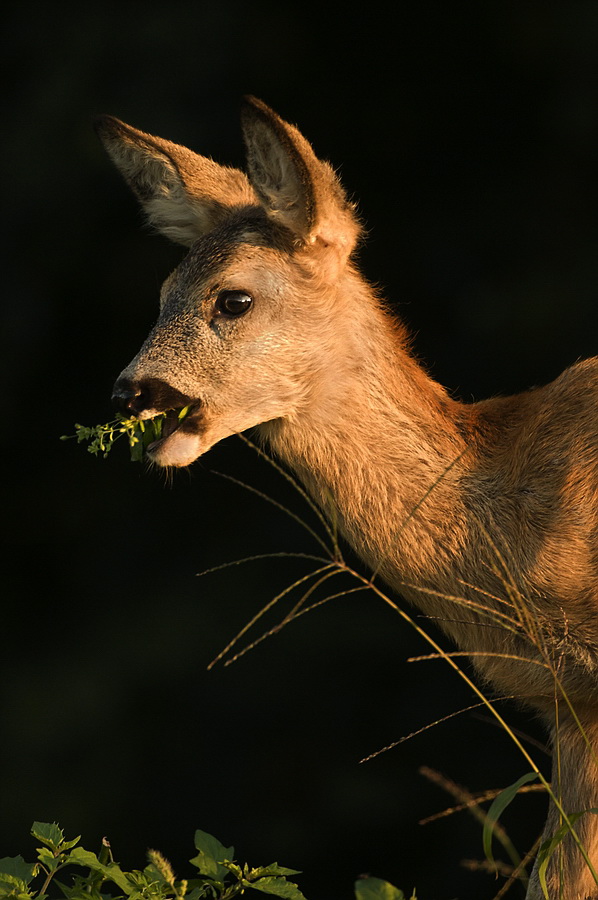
(132, 398)
(129, 397)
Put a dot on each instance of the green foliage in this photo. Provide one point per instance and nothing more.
(377, 889)
(140, 433)
(498, 806)
(218, 876)
(102, 437)
(210, 855)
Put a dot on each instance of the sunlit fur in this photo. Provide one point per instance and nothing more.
(482, 515)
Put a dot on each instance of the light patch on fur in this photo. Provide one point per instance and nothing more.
(178, 450)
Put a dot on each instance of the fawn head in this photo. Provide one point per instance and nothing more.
(241, 333)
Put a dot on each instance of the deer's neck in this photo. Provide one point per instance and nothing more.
(378, 439)
(421, 490)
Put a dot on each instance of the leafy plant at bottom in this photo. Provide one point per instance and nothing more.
(219, 876)
(376, 889)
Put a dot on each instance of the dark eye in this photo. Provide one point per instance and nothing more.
(233, 303)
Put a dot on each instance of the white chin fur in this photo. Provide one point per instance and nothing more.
(178, 450)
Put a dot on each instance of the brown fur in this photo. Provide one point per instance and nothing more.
(493, 502)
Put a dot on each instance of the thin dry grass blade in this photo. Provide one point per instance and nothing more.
(298, 610)
(482, 797)
(407, 737)
(521, 603)
(412, 512)
(516, 875)
(300, 490)
(502, 619)
(276, 628)
(468, 654)
(539, 745)
(263, 611)
(327, 599)
(471, 804)
(279, 506)
(239, 562)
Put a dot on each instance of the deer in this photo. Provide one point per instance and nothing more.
(267, 324)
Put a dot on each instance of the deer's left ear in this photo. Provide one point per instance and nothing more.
(296, 188)
(183, 194)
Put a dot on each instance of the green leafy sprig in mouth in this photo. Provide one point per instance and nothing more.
(139, 432)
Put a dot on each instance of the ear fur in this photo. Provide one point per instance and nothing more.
(297, 189)
(184, 195)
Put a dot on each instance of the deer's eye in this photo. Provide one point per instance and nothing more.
(233, 303)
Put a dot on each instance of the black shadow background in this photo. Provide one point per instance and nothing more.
(468, 133)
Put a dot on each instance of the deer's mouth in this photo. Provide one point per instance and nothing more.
(175, 418)
(178, 443)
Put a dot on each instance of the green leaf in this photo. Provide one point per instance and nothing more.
(49, 860)
(17, 870)
(68, 845)
(498, 806)
(15, 875)
(50, 835)
(147, 884)
(200, 891)
(279, 887)
(377, 889)
(110, 870)
(136, 451)
(211, 854)
(80, 889)
(148, 436)
(9, 891)
(272, 869)
(234, 869)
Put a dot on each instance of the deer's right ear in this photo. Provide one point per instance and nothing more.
(297, 189)
(184, 195)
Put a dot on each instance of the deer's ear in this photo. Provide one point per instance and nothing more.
(184, 195)
(296, 188)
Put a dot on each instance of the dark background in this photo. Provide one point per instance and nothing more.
(468, 134)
